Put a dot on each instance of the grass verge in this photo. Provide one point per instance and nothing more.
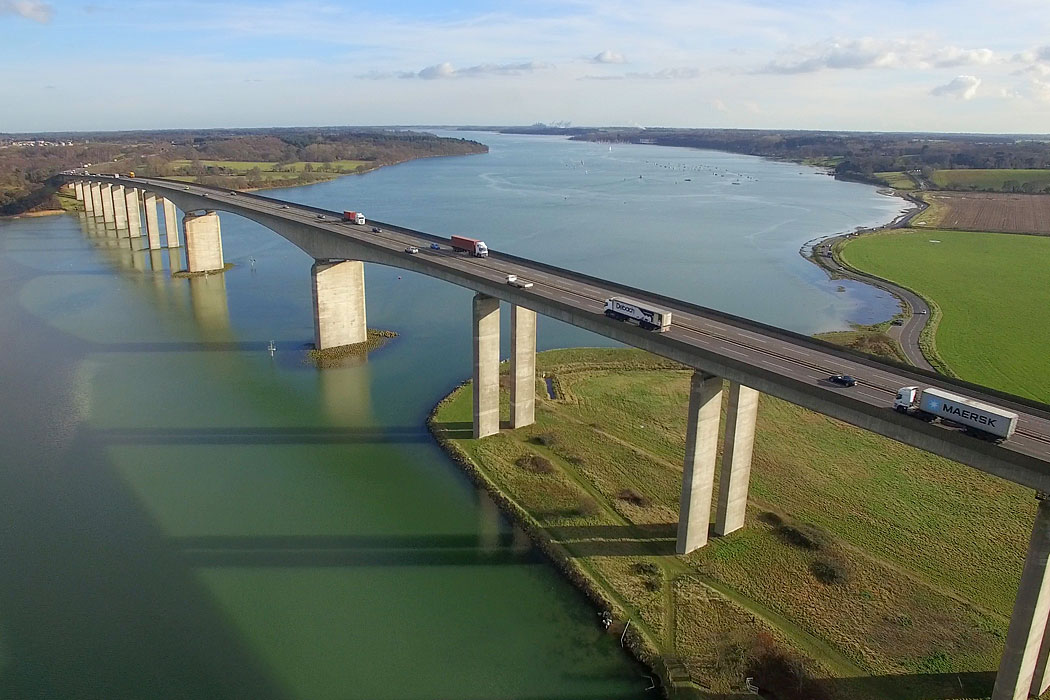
(856, 574)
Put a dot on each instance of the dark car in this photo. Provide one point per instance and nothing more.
(897, 322)
(435, 246)
(843, 379)
(376, 229)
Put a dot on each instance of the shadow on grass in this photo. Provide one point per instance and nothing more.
(617, 540)
(454, 430)
(914, 686)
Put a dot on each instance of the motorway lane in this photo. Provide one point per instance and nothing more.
(876, 386)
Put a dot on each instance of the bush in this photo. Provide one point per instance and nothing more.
(805, 536)
(633, 497)
(535, 464)
(771, 519)
(652, 577)
(587, 506)
(545, 439)
(830, 572)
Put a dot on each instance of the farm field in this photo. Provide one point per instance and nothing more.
(981, 211)
(898, 180)
(857, 563)
(997, 180)
(992, 290)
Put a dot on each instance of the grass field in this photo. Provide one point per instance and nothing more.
(992, 180)
(919, 598)
(993, 291)
(290, 172)
(897, 180)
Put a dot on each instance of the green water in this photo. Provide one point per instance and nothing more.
(185, 515)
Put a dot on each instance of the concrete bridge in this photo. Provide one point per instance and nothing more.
(753, 357)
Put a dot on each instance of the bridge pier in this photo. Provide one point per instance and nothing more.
(120, 207)
(486, 365)
(203, 240)
(106, 192)
(737, 448)
(96, 198)
(78, 190)
(339, 301)
(701, 450)
(131, 203)
(1017, 675)
(171, 225)
(149, 202)
(522, 366)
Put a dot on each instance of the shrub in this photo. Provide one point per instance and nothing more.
(805, 536)
(633, 497)
(830, 572)
(587, 506)
(652, 577)
(545, 439)
(535, 464)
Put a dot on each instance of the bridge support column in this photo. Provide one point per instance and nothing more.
(131, 204)
(339, 300)
(171, 224)
(736, 459)
(522, 367)
(78, 191)
(149, 202)
(1016, 677)
(85, 197)
(120, 207)
(203, 241)
(486, 365)
(701, 449)
(107, 204)
(96, 198)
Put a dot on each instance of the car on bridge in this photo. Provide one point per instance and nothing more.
(412, 250)
(435, 246)
(513, 281)
(842, 379)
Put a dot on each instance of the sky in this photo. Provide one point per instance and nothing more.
(926, 65)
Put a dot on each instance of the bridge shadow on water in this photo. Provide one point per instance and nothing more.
(455, 430)
(278, 435)
(355, 550)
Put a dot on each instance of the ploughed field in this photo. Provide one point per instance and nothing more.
(992, 293)
(986, 211)
(866, 569)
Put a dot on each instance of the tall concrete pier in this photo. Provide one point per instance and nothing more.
(338, 300)
(486, 365)
(701, 450)
(522, 366)
(736, 459)
(96, 198)
(171, 225)
(120, 207)
(1017, 669)
(203, 242)
(106, 193)
(149, 205)
(131, 203)
(78, 191)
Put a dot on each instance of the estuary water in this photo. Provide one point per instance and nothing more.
(188, 513)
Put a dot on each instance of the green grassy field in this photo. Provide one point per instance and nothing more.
(993, 291)
(918, 593)
(243, 166)
(993, 180)
(897, 180)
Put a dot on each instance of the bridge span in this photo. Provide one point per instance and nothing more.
(753, 357)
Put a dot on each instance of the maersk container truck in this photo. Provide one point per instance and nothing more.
(932, 403)
(473, 246)
(647, 316)
(354, 217)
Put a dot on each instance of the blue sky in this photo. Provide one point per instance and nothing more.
(811, 64)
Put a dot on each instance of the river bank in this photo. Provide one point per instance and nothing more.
(595, 483)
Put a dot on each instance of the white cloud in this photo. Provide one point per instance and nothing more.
(963, 87)
(857, 54)
(609, 56)
(667, 74)
(442, 71)
(30, 9)
(719, 105)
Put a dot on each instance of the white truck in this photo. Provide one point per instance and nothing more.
(984, 419)
(647, 316)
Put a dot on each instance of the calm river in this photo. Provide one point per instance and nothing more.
(185, 515)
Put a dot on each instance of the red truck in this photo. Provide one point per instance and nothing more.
(473, 246)
(354, 217)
